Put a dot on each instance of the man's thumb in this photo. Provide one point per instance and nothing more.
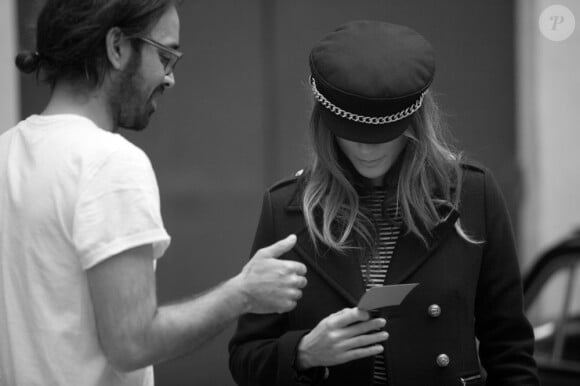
(280, 247)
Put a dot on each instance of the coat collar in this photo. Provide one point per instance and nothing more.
(341, 272)
(411, 252)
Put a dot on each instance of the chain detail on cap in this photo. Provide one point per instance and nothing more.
(364, 119)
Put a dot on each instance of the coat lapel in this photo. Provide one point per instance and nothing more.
(342, 272)
(411, 252)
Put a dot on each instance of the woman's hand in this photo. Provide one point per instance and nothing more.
(341, 337)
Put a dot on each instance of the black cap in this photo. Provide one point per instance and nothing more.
(370, 77)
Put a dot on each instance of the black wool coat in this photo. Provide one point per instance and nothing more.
(476, 289)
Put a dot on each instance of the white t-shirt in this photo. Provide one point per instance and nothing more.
(71, 196)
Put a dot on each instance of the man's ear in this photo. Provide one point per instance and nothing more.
(118, 48)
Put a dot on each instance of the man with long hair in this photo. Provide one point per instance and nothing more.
(80, 221)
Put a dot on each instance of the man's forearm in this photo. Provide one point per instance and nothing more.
(180, 328)
(135, 332)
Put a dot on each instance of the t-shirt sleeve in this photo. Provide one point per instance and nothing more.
(118, 209)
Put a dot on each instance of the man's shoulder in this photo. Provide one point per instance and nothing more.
(91, 148)
(96, 143)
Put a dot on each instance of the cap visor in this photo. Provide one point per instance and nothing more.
(363, 132)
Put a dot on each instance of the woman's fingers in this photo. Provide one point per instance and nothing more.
(364, 340)
(359, 353)
(346, 317)
(364, 327)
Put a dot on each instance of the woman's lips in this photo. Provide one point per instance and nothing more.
(371, 162)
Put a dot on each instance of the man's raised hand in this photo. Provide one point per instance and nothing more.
(271, 284)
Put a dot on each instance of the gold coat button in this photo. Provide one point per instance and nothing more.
(434, 310)
(442, 360)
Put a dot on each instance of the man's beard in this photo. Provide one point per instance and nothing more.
(129, 101)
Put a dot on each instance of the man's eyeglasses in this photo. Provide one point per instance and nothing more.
(168, 56)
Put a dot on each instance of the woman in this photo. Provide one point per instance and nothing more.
(386, 201)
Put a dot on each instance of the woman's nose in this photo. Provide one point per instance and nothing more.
(366, 148)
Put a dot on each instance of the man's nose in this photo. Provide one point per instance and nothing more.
(169, 80)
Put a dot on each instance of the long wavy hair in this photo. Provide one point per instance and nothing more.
(430, 174)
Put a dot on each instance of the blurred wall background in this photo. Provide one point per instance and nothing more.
(548, 80)
(10, 106)
(236, 122)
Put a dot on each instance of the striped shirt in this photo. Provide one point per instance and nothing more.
(375, 269)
